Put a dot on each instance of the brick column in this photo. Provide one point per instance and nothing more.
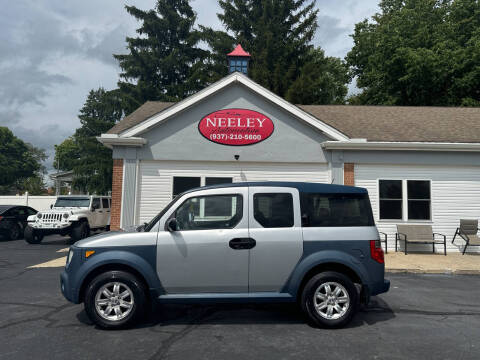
(349, 174)
(117, 188)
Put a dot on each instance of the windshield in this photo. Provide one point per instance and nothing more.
(152, 223)
(72, 202)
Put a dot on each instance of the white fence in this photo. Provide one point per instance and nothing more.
(37, 202)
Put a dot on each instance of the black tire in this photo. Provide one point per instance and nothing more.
(32, 236)
(319, 282)
(15, 232)
(130, 282)
(107, 228)
(80, 231)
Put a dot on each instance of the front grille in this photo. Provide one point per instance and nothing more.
(51, 218)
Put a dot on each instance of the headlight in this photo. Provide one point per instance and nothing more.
(39, 215)
(69, 258)
(66, 215)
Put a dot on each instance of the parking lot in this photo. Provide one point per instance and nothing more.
(422, 317)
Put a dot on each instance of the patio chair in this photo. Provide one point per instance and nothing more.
(468, 231)
(384, 240)
(418, 234)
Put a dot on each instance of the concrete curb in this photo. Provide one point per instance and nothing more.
(434, 271)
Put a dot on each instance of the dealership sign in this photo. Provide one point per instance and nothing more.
(236, 127)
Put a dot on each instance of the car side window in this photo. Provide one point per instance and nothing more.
(105, 203)
(20, 211)
(96, 203)
(273, 210)
(210, 212)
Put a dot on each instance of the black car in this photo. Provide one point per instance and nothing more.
(13, 219)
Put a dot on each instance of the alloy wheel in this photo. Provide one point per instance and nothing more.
(331, 300)
(114, 301)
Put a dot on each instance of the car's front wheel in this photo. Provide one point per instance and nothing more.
(330, 299)
(32, 236)
(115, 299)
(15, 232)
(80, 231)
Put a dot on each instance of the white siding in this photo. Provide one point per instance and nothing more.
(155, 181)
(455, 195)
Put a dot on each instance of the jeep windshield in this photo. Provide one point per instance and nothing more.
(72, 202)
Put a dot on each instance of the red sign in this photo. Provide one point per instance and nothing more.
(236, 127)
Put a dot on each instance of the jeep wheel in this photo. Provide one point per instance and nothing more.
(115, 299)
(330, 299)
(32, 236)
(80, 231)
(15, 232)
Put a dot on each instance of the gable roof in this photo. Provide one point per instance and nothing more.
(402, 123)
(374, 123)
(134, 125)
(145, 111)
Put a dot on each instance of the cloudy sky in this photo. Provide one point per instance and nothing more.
(52, 52)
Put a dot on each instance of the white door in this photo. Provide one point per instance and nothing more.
(275, 225)
(203, 255)
(156, 179)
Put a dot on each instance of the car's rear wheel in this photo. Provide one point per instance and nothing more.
(15, 232)
(32, 236)
(115, 299)
(330, 299)
(80, 231)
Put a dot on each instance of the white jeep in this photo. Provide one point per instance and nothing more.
(73, 215)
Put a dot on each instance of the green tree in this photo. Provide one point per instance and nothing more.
(66, 155)
(322, 81)
(90, 161)
(19, 161)
(418, 52)
(165, 61)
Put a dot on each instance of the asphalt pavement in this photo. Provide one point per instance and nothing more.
(422, 317)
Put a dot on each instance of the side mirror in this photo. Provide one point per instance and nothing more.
(51, 206)
(171, 225)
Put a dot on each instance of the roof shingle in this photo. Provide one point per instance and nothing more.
(374, 123)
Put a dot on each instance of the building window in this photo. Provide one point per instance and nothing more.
(217, 180)
(419, 199)
(405, 199)
(184, 183)
(391, 199)
(273, 210)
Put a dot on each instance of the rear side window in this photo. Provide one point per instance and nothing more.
(105, 203)
(273, 210)
(336, 210)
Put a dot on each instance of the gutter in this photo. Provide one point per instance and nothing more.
(109, 140)
(362, 144)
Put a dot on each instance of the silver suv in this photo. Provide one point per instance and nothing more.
(314, 244)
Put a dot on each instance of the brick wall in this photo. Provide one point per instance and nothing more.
(117, 187)
(349, 174)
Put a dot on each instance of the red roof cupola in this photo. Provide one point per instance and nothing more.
(238, 51)
(238, 60)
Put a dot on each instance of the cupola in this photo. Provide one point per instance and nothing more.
(238, 60)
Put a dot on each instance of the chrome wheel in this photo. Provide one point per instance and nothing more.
(331, 300)
(114, 301)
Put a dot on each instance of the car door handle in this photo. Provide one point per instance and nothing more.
(242, 243)
(100, 211)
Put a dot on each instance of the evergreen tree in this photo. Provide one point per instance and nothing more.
(322, 81)
(164, 62)
(277, 33)
(90, 161)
